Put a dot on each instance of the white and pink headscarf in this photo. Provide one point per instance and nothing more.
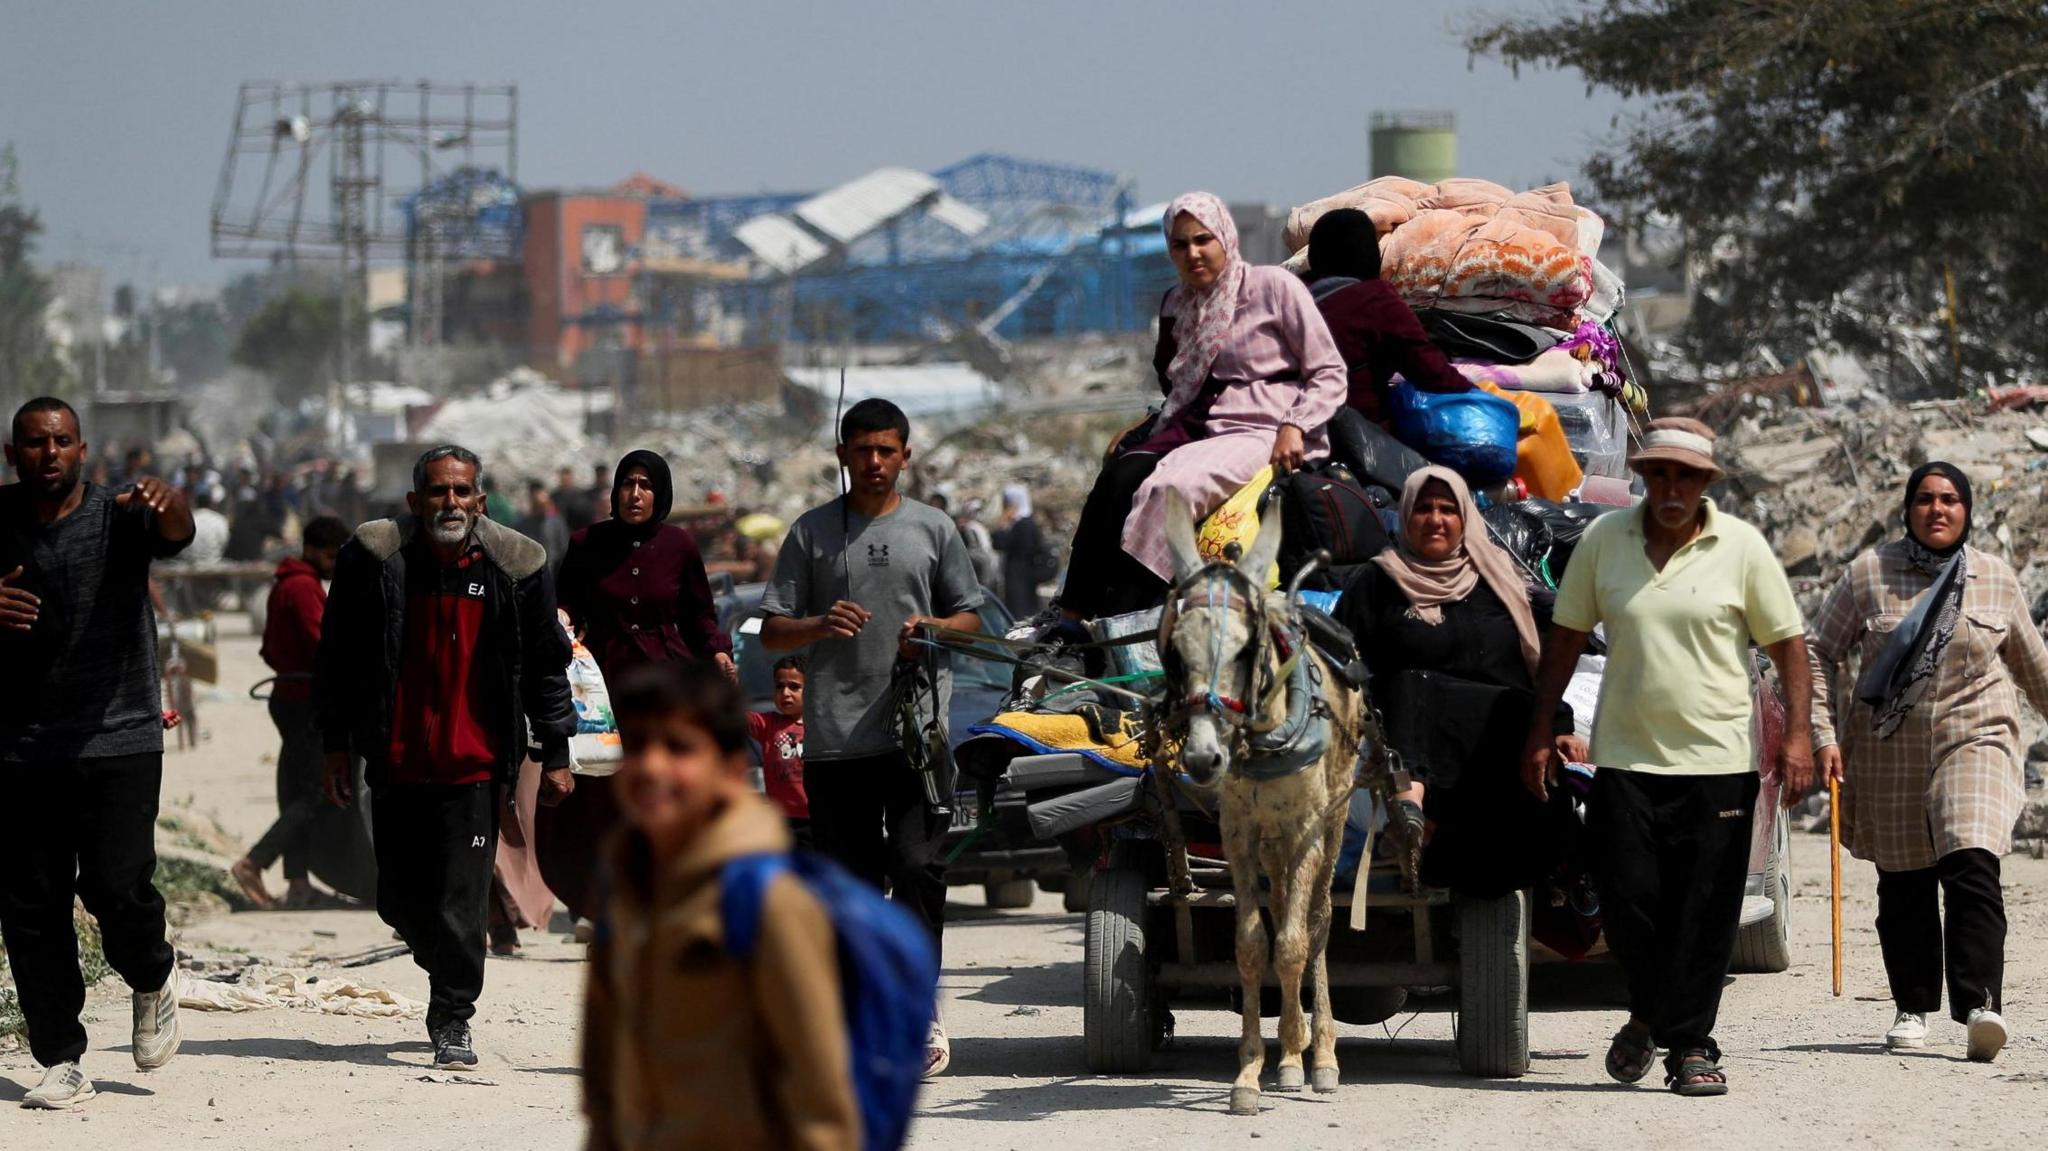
(1201, 319)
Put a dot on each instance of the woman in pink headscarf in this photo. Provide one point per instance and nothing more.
(1251, 375)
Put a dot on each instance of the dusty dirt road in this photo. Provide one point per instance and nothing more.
(1806, 1068)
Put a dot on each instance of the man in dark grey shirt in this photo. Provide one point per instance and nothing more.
(81, 742)
(854, 581)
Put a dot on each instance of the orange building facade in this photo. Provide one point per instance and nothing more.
(578, 270)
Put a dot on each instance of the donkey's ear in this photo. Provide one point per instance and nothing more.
(1180, 537)
(1258, 562)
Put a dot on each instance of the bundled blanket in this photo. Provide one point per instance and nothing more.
(1466, 245)
(1554, 371)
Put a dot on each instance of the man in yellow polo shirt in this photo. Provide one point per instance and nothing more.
(1683, 589)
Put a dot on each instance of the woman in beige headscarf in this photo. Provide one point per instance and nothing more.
(1444, 621)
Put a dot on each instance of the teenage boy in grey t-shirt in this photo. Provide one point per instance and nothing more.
(853, 581)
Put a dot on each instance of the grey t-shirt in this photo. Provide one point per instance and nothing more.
(908, 562)
(87, 681)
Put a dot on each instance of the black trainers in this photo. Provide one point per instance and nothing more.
(452, 1050)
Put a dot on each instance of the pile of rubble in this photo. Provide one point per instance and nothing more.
(1824, 484)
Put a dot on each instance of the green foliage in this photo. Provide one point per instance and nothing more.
(294, 339)
(1838, 158)
(28, 363)
(184, 882)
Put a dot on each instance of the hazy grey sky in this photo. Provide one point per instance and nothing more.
(120, 110)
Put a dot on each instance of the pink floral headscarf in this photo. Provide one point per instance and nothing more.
(1202, 319)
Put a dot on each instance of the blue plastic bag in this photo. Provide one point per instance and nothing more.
(1472, 433)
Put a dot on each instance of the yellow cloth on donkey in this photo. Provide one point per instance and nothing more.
(1066, 732)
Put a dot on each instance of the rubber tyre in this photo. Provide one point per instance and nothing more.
(1011, 894)
(1117, 1002)
(1493, 986)
(1766, 948)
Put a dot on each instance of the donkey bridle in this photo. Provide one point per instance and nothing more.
(1230, 710)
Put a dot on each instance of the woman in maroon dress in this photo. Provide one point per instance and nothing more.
(634, 585)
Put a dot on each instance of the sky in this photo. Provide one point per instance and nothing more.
(119, 112)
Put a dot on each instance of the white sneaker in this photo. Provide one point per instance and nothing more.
(1987, 1035)
(938, 1051)
(156, 1025)
(63, 1087)
(1908, 1030)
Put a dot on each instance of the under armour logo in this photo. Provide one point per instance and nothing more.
(878, 555)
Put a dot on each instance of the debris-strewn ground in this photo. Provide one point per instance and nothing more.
(1824, 484)
(1807, 1070)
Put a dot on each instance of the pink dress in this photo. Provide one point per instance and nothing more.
(1277, 332)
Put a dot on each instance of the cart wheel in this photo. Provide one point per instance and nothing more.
(1118, 1000)
(1493, 986)
(1766, 948)
(1010, 894)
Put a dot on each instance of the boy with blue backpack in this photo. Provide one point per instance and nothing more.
(739, 995)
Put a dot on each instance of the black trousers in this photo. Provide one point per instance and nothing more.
(1670, 855)
(1912, 930)
(870, 814)
(1102, 578)
(85, 828)
(300, 766)
(436, 847)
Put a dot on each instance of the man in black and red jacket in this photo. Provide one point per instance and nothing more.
(440, 652)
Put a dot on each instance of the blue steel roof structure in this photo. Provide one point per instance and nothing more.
(475, 213)
(915, 278)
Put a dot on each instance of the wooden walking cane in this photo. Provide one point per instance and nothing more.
(1835, 872)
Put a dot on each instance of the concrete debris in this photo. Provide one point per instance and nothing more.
(1824, 484)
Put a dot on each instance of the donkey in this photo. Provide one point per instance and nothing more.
(1268, 722)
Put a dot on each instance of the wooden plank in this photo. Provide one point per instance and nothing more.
(1342, 974)
(1389, 899)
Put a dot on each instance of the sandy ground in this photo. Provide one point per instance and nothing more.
(1806, 1068)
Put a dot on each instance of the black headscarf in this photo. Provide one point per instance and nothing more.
(657, 475)
(1898, 678)
(1952, 474)
(1344, 242)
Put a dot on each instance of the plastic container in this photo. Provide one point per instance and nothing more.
(1472, 433)
(1596, 426)
(1544, 463)
(1132, 658)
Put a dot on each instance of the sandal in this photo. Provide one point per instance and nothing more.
(1409, 826)
(1699, 1074)
(1631, 1055)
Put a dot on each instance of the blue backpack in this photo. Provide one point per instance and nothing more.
(888, 977)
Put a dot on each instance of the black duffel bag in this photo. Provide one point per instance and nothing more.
(1371, 451)
(1324, 506)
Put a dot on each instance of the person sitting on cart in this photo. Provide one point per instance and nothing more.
(1251, 376)
(1376, 331)
(1445, 624)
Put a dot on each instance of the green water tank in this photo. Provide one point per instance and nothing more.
(1419, 145)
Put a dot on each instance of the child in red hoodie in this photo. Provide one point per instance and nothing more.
(781, 735)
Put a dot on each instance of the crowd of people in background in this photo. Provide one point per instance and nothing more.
(247, 514)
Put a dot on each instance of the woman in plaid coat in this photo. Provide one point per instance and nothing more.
(1927, 745)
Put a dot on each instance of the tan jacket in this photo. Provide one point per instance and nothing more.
(685, 1046)
(1949, 778)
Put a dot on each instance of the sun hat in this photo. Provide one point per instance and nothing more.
(1675, 439)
